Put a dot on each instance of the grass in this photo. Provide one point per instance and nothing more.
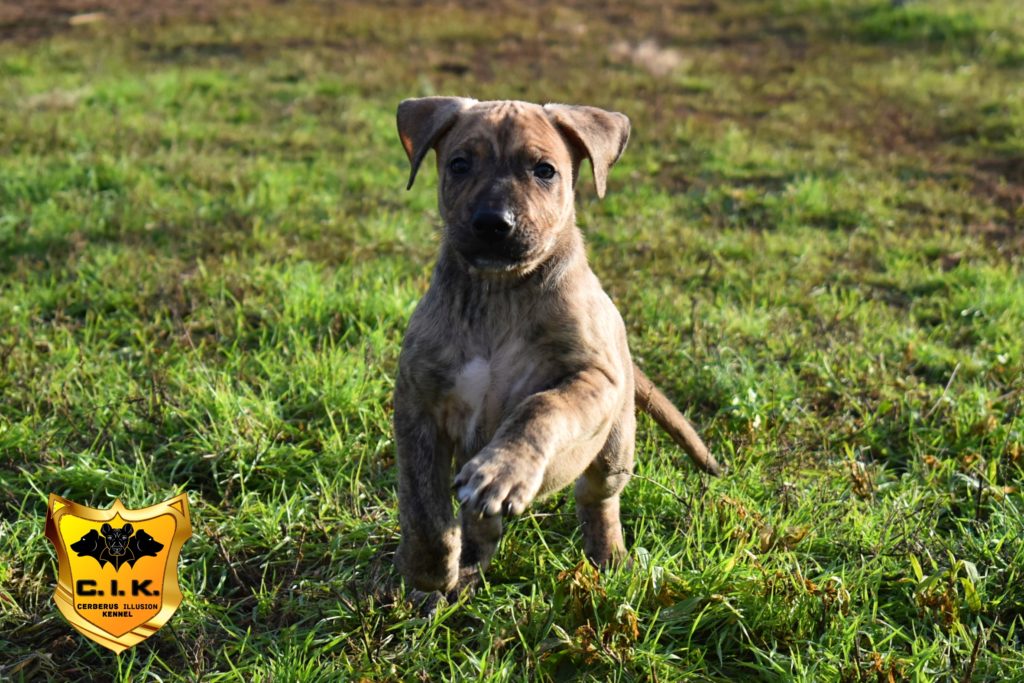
(207, 262)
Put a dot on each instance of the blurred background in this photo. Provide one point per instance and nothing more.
(208, 259)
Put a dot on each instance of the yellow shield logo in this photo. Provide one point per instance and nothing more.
(118, 568)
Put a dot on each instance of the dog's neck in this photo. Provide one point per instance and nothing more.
(565, 258)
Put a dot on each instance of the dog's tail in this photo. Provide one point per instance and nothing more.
(650, 400)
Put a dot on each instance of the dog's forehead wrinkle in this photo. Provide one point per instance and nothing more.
(471, 143)
(510, 123)
(475, 141)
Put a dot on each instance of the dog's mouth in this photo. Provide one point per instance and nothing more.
(494, 263)
(496, 258)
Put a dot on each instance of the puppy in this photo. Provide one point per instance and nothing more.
(515, 368)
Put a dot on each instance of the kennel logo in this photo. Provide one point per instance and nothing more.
(117, 577)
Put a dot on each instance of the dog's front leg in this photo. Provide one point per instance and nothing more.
(428, 552)
(507, 474)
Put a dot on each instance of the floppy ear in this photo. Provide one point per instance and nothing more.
(595, 133)
(421, 123)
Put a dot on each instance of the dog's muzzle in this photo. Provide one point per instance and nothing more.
(493, 244)
(493, 226)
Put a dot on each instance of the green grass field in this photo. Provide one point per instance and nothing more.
(208, 259)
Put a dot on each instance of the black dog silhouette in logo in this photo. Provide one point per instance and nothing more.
(117, 546)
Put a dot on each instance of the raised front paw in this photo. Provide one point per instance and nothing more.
(498, 482)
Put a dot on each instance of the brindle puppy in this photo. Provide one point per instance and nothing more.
(515, 362)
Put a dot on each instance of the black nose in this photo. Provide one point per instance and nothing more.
(492, 225)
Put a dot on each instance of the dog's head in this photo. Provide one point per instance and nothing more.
(506, 171)
(144, 544)
(117, 539)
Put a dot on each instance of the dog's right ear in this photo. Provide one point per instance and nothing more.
(106, 529)
(422, 122)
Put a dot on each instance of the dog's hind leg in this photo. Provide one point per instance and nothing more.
(598, 489)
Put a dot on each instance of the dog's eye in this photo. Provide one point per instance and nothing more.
(458, 166)
(544, 171)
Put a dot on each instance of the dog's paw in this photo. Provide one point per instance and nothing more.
(498, 483)
(430, 565)
(426, 603)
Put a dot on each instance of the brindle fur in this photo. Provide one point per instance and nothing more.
(515, 368)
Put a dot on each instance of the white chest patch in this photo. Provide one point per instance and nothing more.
(471, 386)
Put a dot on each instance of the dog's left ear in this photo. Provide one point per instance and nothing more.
(599, 135)
(421, 123)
